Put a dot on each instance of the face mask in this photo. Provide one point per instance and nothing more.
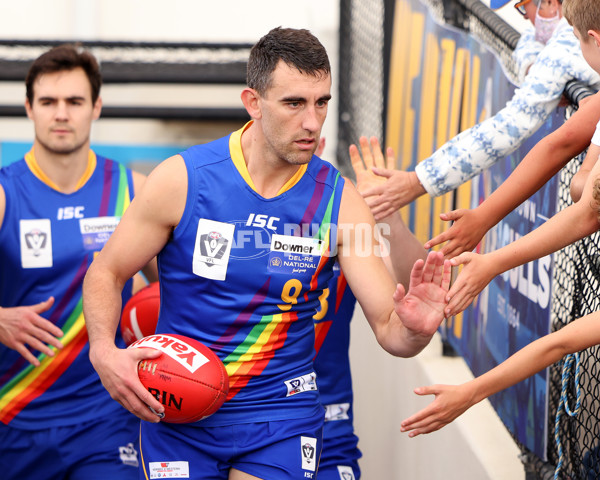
(544, 27)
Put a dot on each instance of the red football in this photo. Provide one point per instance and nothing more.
(140, 314)
(188, 378)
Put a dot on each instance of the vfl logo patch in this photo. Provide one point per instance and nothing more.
(212, 249)
(129, 455)
(346, 472)
(169, 470)
(36, 243)
(213, 245)
(305, 383)
(309, 453)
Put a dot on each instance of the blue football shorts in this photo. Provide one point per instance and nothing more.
(278, 450)
(349, 471)
(339, 458)
(95, 450)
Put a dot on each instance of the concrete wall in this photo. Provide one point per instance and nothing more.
(476, 446)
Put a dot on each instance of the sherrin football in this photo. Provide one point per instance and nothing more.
(188, 378)
(140, 314)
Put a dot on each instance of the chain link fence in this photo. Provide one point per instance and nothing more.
(365, 36)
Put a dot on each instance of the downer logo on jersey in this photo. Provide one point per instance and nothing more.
(212, 249)
(95, 231)
(294, 255)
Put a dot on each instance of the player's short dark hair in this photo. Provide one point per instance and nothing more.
(296, 47)
(64, 58)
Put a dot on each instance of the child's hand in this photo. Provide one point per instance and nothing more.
(477, 272)
(450, 402)
(466, 232)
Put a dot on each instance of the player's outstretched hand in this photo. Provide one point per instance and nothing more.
(421, 309)
(450, 402)
(477, 272)
(466, 232)
(117, 368)
(22, 326)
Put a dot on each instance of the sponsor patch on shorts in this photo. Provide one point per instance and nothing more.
(309, 453)
(129, 455)
(169, 470)
(336, 411)
(345, 472)
(305, 383)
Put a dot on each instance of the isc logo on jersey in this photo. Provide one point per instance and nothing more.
(68, 213)
(261, 221)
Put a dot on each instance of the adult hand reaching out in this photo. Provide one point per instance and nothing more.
(384, 188)
(372, 156)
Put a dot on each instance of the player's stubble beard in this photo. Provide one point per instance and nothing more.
(62, 147)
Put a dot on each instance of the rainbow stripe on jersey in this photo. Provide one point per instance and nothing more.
(29, 395)
(256, 312)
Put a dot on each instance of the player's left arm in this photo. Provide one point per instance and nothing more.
(403, 322)
(150, 270)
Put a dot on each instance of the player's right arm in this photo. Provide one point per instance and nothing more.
(23, 325)
(546, 158)
(452, 401)
(144, 229)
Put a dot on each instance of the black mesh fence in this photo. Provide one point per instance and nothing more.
(361, 74)
(576, 282)
(576, 268)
